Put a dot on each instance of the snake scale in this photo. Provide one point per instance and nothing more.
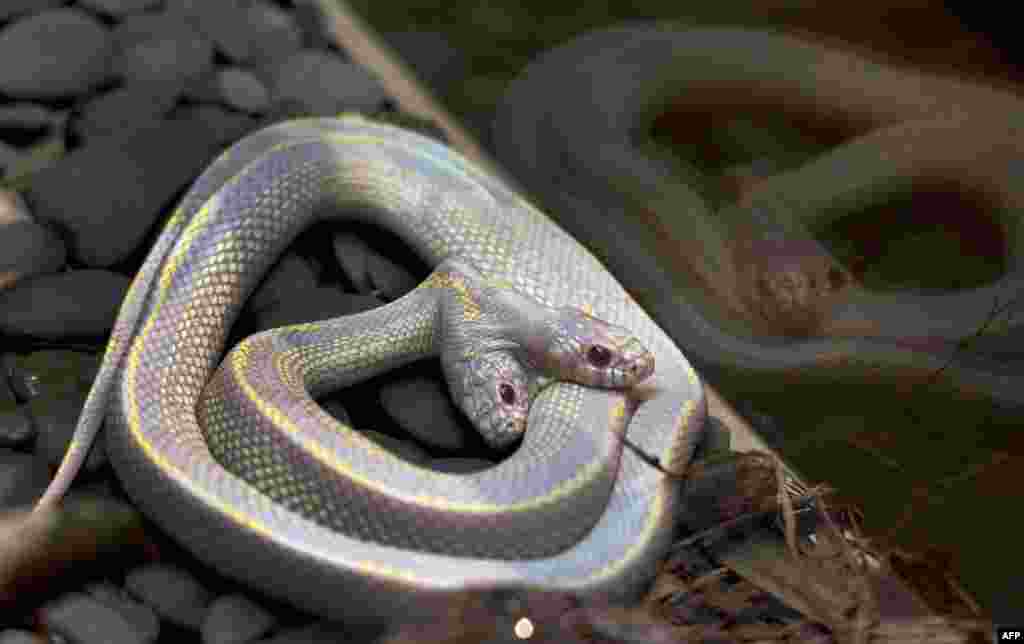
(586, 515)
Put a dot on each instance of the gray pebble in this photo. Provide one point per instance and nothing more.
(28, 250)
(22, 479)
(172, 592)
(222, 126)
(320, 303)
(193, 9)
(139, 28)
(325, 83)
(84, 620)
(406, 449)
(336, 410)
(109, 192)
(370, 272)
(118, 7)
(11, 636)
(173, 56)
(125, 109)
(351, 251)
(200, 12)
(275, 32)
(142, 617)
(73, 303)
(53, 372)
(459, 464)
(422, 408)
(235, 619)
(16, 428)
(42, 152)
(261, 31)
(291, 274)
(54, 53)
(235, 87)
(55, 418)
(242, 90)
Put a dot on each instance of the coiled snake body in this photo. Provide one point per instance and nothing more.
(588, 516)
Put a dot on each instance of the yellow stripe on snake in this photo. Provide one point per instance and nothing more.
(258, 481)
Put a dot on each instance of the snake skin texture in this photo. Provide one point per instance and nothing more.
(236, 220)
(261, 422)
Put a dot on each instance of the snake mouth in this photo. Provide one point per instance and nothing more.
(499, 425)
(633, 365)
(503, 430)
(506, 433)
(499, 410)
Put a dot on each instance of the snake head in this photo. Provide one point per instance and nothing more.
(495, 393)
(581, 348)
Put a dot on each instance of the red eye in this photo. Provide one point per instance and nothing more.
(599, 356)
(507, 393)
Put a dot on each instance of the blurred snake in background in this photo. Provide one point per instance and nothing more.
(741, 284)
(241, 466)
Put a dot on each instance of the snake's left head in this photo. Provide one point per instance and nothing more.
(494, 392)
(581, 348)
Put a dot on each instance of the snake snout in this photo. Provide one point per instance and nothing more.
(502, 425)
(595, 353)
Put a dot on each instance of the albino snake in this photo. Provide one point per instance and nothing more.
(570, 510)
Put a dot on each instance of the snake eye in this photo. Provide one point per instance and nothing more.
(599, 356)
(507, 393)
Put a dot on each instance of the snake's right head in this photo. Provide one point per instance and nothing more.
(578, 347)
